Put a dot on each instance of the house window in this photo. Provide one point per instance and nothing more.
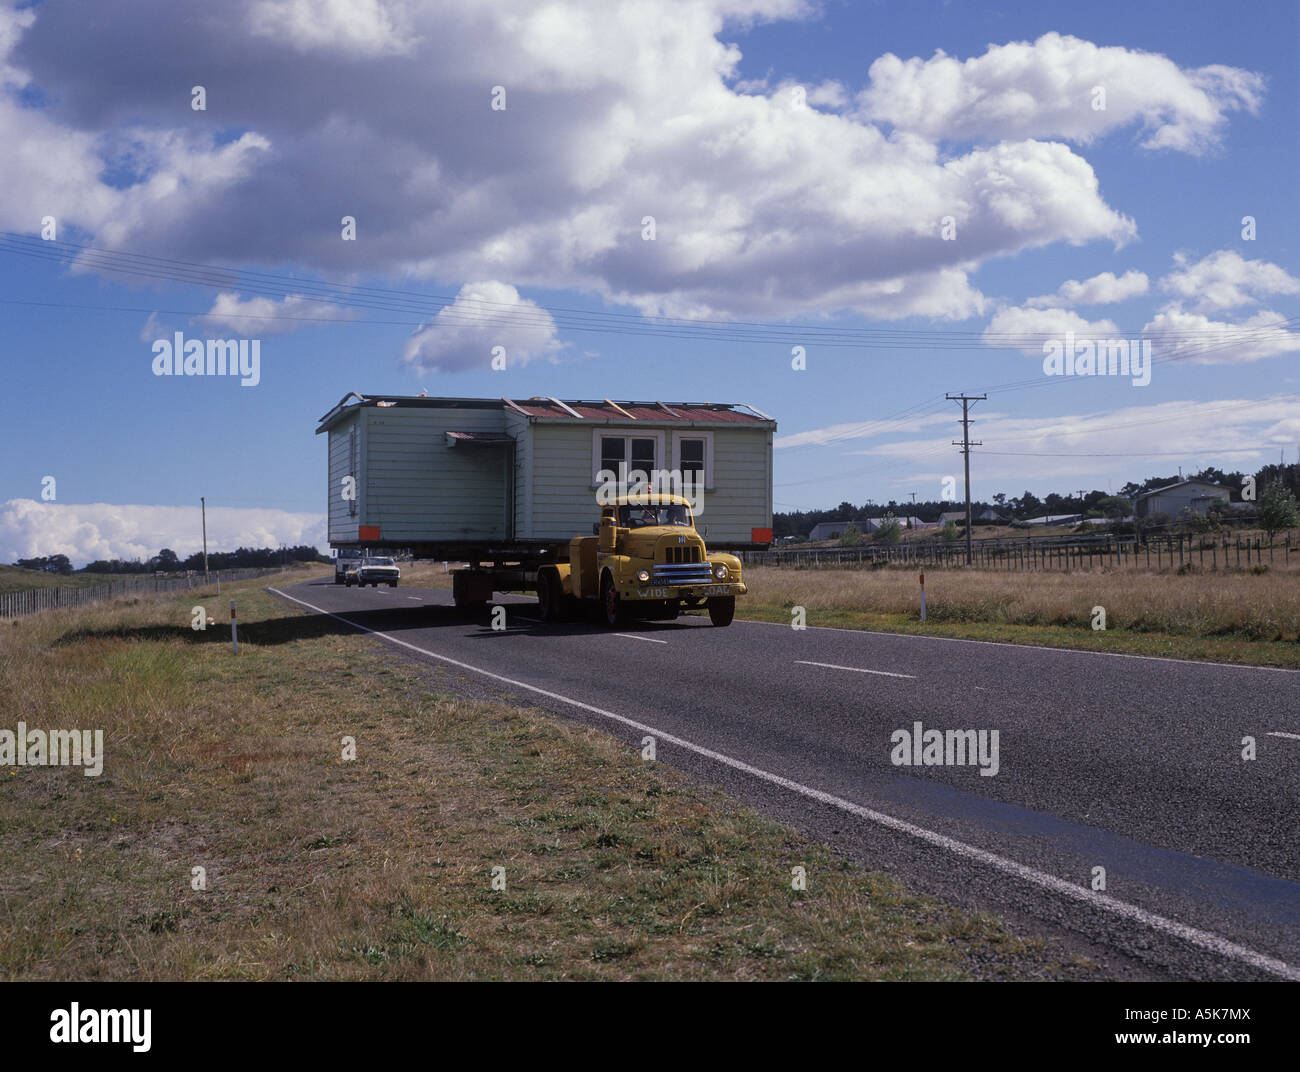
(693, 456)
(641, 452)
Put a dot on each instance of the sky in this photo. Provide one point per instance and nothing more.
(837, 213)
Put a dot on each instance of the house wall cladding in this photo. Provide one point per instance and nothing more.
(564, 494)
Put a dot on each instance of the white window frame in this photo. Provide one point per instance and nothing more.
(627, 435)
(678, 436)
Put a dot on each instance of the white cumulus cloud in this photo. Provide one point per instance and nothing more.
(86, 532)
(1103, 289)
(1226, 280)
(1048, 89)
(382, 109)
(484, 316)
(1018, 328)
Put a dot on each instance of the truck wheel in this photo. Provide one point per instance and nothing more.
(722, 609)
(348, 581)
(461, 597)
(548, 596)
(615, 613)
(338, 579)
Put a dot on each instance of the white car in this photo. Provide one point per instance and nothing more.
(374, 572)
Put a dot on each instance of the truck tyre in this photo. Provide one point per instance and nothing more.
(549, 596)
(338, 579)
(722, 609)
(460, 595)
(347, 581)
(610, 603)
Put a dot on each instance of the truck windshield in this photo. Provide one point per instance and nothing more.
(644, 516)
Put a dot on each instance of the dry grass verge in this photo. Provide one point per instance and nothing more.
(1235, 617)
(322, 868)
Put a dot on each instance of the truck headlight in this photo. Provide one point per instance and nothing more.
(720, 571)
(643, 576)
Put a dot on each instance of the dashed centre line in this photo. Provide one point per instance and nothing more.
(855, 669)
(648, 640)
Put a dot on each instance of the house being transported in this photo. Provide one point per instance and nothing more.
(463, 477)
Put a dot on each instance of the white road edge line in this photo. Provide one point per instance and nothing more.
(1290, 736)
(1032, 647)
(1204, 939)
(648, 640)
(416, 598)
(855, 669)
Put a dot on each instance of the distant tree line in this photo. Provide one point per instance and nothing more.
(168, 561)
(1093, 504)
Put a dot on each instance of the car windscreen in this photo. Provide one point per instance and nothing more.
(644, 516)
(379, 562)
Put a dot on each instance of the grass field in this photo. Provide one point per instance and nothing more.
(14, 579)
(381, 867)
(1226, 616)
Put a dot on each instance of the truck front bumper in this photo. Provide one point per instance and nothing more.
(653, 591)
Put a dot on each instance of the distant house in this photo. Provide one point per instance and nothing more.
(873, 524)
(828, 530)
(1192, 496)
(957, 517)
(988, 514)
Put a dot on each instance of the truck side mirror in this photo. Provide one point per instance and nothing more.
(595, 528)
(608, 537)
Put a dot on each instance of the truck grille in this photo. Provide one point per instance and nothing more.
(688, 553)
(685, 573)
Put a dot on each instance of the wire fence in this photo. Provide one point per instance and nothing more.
(35, 600)
(1203, 551)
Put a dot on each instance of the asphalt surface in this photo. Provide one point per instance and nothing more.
(1129, 764)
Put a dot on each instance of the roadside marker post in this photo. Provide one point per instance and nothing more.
(922, 597)
(234, 629)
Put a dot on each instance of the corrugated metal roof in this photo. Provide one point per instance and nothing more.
(1181, 484)
(619, 410)
(564, 410)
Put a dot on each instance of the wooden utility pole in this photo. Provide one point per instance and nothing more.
(204, 503)
(966, 445)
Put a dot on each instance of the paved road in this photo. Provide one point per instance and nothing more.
(1129, 764)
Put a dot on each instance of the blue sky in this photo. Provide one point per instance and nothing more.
(802, 219)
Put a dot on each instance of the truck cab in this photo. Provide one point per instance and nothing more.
(646, 560)
(345, 558)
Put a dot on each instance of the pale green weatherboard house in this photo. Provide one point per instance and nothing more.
(436, 473)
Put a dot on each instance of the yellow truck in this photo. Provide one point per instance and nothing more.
(645, 559)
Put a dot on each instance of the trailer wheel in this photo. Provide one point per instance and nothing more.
(461, 597)
(722, 609)
(615, 612)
